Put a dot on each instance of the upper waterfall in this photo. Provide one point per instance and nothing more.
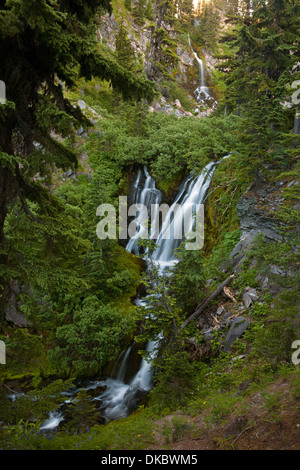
(202, 93)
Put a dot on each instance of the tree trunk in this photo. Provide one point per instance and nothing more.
(204, 304)
(8, 191)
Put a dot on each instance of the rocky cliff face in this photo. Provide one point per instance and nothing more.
(167, 59)
(147, 45)
(256, 210)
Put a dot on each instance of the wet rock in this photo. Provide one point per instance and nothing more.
(133, 396)
(236, 330)
(82, 104)
(220, 310)
(249, 296)
(68, 174)
(97, 391)
(12, 308)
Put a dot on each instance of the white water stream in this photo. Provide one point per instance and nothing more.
(119, 398)
(202, 93)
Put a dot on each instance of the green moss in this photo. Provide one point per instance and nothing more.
(182, 94)
(221, 218)
(169, 186)
(26, 356)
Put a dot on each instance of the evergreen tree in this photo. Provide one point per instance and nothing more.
(44, 44)
(260, 79)
(166, 12)
(185, 10)
(139, 12)
(127, 4)
(149, 11)
(207, 31)
(124, 51)
(163, 45)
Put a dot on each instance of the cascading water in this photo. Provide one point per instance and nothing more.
(192, 193)
(147, 196)
(118, 398)
(202, 93)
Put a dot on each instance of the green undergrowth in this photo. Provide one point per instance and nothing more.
(133, 433)
(218, 393)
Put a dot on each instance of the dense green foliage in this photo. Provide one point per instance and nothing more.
(259, 82)
(58, 163)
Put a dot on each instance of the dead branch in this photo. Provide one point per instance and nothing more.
(218, 187)
(204, 304)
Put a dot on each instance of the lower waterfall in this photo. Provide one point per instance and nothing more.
(119, 397)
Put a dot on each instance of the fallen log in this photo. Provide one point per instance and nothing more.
(204, 304)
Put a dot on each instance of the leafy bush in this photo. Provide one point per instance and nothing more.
(92, 339)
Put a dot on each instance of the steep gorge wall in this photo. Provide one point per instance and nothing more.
(147, 41)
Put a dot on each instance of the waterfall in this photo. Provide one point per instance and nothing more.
(52, 422)
(202, 93)
(201, 69)
(123, 367)
(118, 398)
(146, 196)
(192, 193)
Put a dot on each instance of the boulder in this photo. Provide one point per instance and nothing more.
(220, 310)
(249, 296)
(82, 104)
(178, 104)
(253, 220)
(12, 308)
(236, 330)
(133, 396)
(155, 105)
